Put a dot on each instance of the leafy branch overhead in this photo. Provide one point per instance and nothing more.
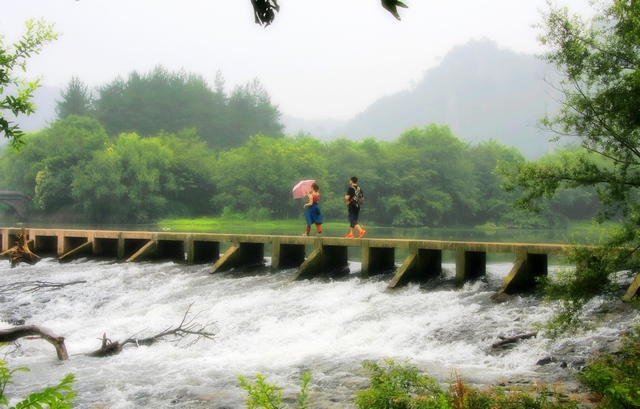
(265, 10)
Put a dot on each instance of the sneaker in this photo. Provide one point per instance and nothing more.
(305, 234)
(350, 235)
(362, 232)
(319, 235)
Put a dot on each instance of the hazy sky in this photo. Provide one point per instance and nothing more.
(319, 59)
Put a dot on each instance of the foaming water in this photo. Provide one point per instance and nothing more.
(263, 324)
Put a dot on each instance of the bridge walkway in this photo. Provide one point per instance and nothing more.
(309, 256)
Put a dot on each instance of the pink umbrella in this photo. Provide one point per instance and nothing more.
(301, 188)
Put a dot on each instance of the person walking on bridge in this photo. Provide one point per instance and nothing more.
(354, 198)
(313, 215)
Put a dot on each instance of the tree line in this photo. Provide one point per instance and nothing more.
(161, 100)
(426, 177)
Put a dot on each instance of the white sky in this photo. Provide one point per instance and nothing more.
(319, 59)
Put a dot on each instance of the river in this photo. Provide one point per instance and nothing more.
(265, 325)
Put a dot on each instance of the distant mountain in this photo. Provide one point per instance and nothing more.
(322, 129)
(479, 91)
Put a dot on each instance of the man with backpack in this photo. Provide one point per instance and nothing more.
(355, 199)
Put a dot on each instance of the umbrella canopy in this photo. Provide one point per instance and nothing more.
(301, 188)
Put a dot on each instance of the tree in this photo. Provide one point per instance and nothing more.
(19, 91)
(46, 165)
(265, 10)
(171, 101)
(124, 182)
(261, 173)
(493, 202)
(600, 64)
(76, 100)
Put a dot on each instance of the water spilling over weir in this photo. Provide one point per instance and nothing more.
(266, 324)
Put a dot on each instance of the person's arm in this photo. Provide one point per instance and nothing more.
(349, 196)
(310, 200)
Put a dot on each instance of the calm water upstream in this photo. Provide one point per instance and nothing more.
(264, 325)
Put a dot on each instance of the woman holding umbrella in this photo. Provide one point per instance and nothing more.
(313, 215)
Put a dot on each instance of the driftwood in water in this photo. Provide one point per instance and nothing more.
(188, 326)
(510, 340)
(20, 252)
(12, 290)
(15, 333)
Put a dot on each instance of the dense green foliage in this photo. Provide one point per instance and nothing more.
(396, 386)
(615, 378)
(59, 396)
(426, 177)
(171, 101)
(600, 64)
(15, 92)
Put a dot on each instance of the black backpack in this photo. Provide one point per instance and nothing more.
(358, 198)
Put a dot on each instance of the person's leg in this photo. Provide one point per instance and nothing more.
(353, 220)
(308, 229)
(361, 231)
(319, 227)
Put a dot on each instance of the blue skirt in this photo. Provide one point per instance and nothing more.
(313, 215)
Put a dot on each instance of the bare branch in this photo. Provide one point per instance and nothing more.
(188, 326)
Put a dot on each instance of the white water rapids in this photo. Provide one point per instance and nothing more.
(263, 325)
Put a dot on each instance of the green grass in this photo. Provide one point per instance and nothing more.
(218, 225)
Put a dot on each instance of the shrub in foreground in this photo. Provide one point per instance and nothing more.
(615, 377)
(54, 397)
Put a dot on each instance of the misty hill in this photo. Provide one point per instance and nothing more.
(478, 90)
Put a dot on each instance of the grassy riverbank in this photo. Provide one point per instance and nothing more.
(219, 225)
(580, 231)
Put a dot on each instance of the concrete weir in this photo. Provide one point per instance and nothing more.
(308, 256)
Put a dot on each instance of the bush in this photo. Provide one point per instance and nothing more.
(615, 378)
(256, 214)
(395, 386)
(267, 396)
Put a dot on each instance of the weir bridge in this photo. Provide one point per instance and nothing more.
(309, 256)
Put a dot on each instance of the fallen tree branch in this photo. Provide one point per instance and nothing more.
(15, 333)
(188, 326)
(510, 340)
(19, 287)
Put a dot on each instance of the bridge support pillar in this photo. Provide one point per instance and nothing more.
(633, 289)
(240, 255)
(323, 259)
(524, 272)
(376, 260)
(4, 240)
(420, 265)
(286, 255)
(122, 245)
(147, 251)
(469, 265)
